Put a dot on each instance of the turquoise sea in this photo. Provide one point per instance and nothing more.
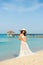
(10, 47)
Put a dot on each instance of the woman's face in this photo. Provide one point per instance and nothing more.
(23, 32)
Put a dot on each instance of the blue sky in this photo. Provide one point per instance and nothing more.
(18, 14)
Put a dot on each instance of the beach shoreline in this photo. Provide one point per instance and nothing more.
(35, 59)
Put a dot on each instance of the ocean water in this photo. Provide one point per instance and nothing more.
(10, 47)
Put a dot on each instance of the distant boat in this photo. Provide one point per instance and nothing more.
(10, 33)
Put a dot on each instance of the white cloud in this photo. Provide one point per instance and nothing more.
(8, 7)
(23, 9)
(33, 8)
(14, 7)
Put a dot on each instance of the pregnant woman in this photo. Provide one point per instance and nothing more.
(24, 49)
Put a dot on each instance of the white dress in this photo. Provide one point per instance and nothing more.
(24, 49)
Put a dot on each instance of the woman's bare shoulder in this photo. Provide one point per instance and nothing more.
(20, 35)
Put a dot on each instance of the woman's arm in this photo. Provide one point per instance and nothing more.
(24, 38)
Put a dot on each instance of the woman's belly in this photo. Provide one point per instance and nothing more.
(23, 42)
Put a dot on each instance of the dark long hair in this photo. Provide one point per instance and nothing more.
(24, 32)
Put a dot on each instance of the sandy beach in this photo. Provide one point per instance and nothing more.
(35, 59)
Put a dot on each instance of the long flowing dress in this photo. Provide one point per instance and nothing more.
(24, 49)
